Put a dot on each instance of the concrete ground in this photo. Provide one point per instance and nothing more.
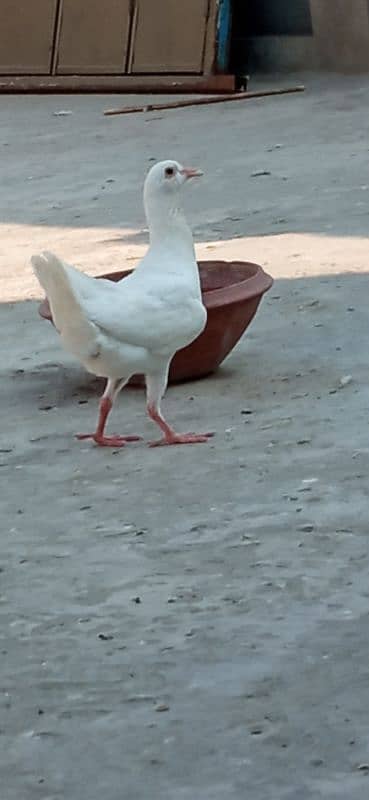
(190, 623)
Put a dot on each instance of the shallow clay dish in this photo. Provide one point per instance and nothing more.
(231, 292)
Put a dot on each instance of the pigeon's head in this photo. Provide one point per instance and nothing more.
(168, 176)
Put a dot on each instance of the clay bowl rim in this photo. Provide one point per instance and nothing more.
(254, 285)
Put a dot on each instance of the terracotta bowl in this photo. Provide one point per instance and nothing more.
(231, 292)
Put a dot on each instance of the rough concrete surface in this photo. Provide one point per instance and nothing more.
(190, 623)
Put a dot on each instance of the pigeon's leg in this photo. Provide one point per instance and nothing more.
(112, 389)
(155, 388)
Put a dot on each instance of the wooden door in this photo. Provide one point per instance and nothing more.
(26, 36)
(169, 36)
(93, 37)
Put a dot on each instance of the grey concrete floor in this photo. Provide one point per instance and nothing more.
(190, 623)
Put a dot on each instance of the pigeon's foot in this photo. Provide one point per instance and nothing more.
(108, 441)
(182, 438)
(170, 436)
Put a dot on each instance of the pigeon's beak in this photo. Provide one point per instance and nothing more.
(190, 172)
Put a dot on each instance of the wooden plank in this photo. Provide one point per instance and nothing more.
(93, 37)
(26, 36)
(169, 36)
(125, 84)
(209, 65)
(200, 101)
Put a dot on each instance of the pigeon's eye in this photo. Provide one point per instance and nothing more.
(169, 172)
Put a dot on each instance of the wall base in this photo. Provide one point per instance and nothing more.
(126, 84)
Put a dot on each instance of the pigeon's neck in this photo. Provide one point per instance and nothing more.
(168, 227)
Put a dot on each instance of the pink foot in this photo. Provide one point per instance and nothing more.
(182, 438)
(108, 441)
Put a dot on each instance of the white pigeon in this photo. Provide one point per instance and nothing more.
(135, 326)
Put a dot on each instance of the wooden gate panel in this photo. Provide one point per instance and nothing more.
(93, 37)
(26, 36)
(169, 36)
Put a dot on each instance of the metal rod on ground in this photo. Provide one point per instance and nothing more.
(199, 101)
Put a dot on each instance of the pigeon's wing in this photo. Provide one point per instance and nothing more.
(158, 320)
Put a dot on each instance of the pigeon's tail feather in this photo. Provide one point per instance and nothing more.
(54, 278)
(63, 286)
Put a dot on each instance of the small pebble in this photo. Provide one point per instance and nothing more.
(345, 380)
